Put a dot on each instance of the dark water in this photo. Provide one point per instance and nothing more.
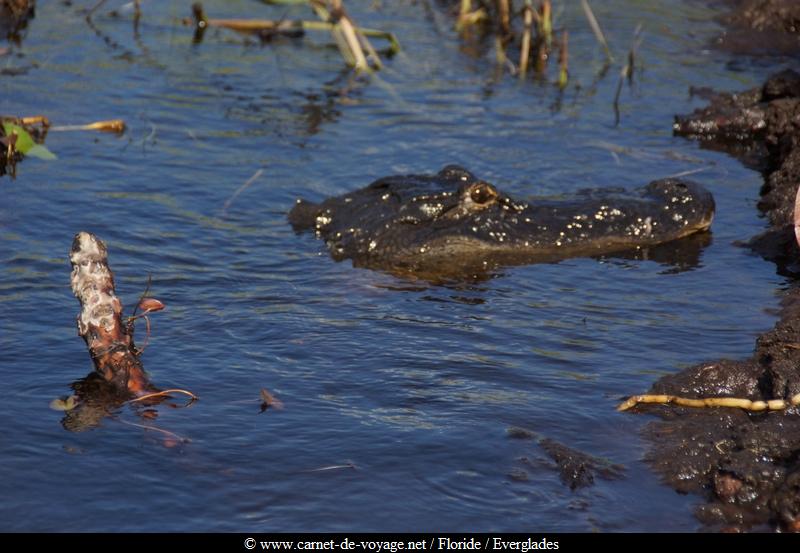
(413, 385)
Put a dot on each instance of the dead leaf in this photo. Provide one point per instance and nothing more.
(150, 305)
(66, 403)
(268, 400)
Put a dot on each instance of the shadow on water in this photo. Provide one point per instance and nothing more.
(674, 257)
(96, 399)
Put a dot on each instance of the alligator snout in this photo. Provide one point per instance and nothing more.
(688, 201)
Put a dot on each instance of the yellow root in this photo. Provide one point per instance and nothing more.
(740, 403)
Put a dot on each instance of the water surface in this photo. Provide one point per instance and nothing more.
(406, 389)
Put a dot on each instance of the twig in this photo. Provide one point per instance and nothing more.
(365, 43)
(500, 52)
(525, 48)
(544, 36)
(464, 10)
(504, 12)
(137, 15)
(289, 27)
(343, 32)
(111, 125)
(627, 70)
(334, 467)
(563, 61)
(467, 17)
(250, 181)
(546, 22)
(349, 33)
(598, 32)
(140, 349)
(192, 397)
(637, 40)
(36, 120)
(144, 294)
(94, 9)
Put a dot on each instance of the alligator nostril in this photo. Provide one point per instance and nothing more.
(456, 172)
(482, 193)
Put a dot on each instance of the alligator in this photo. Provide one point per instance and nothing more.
(453, 223)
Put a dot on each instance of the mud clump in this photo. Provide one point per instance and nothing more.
(746, 465)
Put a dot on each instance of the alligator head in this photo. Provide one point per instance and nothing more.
(452, 222)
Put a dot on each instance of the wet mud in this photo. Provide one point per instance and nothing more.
(745, 465)
(761, 27)
(761, 127)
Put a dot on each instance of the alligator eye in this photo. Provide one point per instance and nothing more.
(482, 193)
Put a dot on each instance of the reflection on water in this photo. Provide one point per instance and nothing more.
(413, 384)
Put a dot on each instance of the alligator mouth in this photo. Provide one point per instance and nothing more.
(707, 217)
(705, 222)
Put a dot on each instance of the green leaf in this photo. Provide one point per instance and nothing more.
(41, 152)
(25, 143)
(24, 140)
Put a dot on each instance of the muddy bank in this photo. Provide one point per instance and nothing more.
(761, 27)
(761, 127)
(745, 465)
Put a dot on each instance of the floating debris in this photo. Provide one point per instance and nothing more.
(66, 403)
(351, 39)
(119, 378)
(20, 137)
(335, 467)
(112, 125)
(269, 401)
